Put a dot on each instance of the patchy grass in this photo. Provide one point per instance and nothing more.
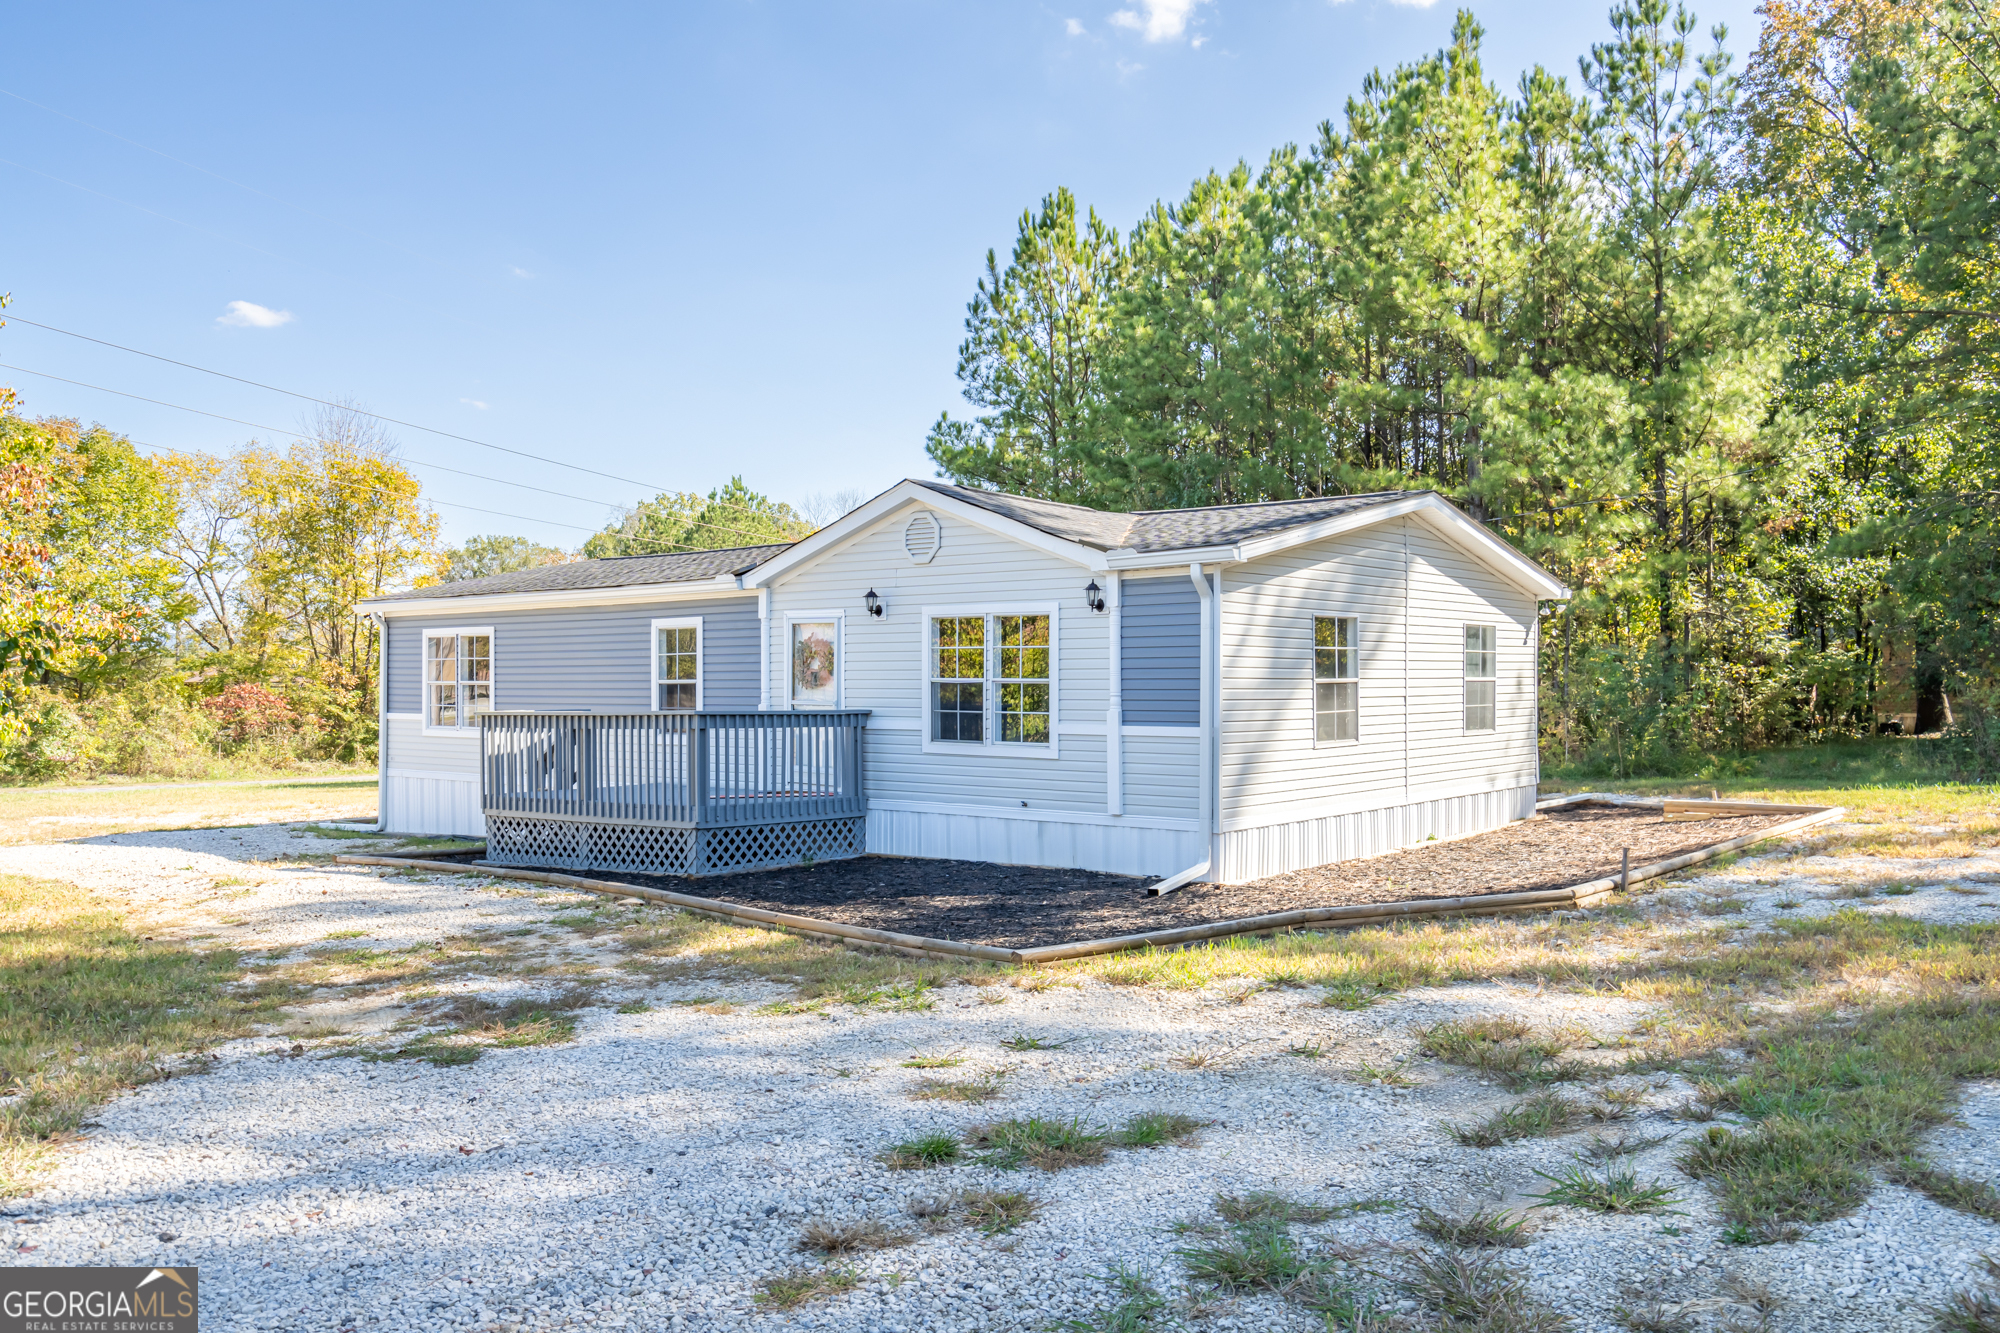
(1501, 1046)
(1045, 1144)
(925, 1151)
(851, 1237)
(1137, 1305)
(1157, 1129)
(1477, 1293)
(88, 1008)
(788, 1291)
(982, 1089)
(28, 815)
(1543, 1113)
(1613, 1190)
(1953, 1191)
(1836, 1092)
(1020, 1041)
(1482, 1229)
(1266, 1206)
(635, 1007)
(996, 1212)
(949, 1060)
(1975, 1310)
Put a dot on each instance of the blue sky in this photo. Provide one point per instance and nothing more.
(668, 243)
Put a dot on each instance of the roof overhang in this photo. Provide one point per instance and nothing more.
(906, 495)
(623, 595)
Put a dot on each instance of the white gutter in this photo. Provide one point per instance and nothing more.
(1114, 712)
(1209, 749)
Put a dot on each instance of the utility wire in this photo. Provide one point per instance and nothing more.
(292, 434)
(306, 397)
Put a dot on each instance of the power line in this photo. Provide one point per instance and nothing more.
(292, 434)
(306, 397)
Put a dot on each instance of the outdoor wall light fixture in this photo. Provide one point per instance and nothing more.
(874, 602)
(1093, 596)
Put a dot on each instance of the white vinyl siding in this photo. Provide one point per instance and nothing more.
(887, 666)
(1410, 744)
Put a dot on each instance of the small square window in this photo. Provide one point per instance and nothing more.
(458, 678)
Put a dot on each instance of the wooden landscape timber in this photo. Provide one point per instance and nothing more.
(1588, 894)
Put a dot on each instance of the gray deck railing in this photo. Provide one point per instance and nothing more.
(681, 770)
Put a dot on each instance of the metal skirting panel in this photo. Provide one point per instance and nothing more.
(436, 806)
(569, 844)
(1108, 848)
(1278, 849)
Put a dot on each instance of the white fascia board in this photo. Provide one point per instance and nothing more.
(1443, 516)
(909, 495)
(1175, 561)
(722, 585)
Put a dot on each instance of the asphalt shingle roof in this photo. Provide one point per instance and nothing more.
(615, 572)
(1165, 529)
(1145, 530)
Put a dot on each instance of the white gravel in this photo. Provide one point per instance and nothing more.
(649, 1173)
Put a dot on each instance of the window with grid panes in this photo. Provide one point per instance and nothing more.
(679, 667)
(1023, 679)
(1336, 683)
(458, 678)
(1481, 668)
(958, 678)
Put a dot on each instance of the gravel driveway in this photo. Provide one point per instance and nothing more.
(650, 1172)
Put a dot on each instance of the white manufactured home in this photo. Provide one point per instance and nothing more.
(1223, 693)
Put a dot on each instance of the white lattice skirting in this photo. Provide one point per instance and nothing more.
(567, 844)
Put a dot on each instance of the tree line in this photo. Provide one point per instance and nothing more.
(1716, 349)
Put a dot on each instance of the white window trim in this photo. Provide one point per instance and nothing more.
(700, 660)
(1312, 680)
(839, 619)
(1464, 722)
(992, 745)
(424, 680)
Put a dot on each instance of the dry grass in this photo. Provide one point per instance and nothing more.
(788, 1291)
(985, 1088)
(88, 1009)
(29, 815)
(832, 1238)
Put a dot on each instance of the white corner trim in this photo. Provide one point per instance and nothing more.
(1173, 561)
(1034, 816)
(653, 681)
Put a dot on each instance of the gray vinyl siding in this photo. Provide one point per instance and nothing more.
(1160, 652)
(587, 658)
(1163, 776)
(407, 747)
(1413, 744)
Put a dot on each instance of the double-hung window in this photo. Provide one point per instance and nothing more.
(992, 679)
(1336, 679)
(676, 665)
(458, 677)
(1481, 668)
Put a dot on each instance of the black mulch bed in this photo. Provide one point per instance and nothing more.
(1021, 907)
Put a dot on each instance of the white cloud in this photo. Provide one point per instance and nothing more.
(520, 272)
(473, 402)
(1072, 27)
(250, 315)
(1159, 20)
(1196, 43)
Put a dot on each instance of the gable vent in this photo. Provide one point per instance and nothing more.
(923, 537)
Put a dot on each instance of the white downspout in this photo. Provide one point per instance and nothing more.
(1114, 712)
(381, 721)
(1195, 873)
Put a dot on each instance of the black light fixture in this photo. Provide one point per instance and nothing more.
(1093, 596)
(874, 602)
